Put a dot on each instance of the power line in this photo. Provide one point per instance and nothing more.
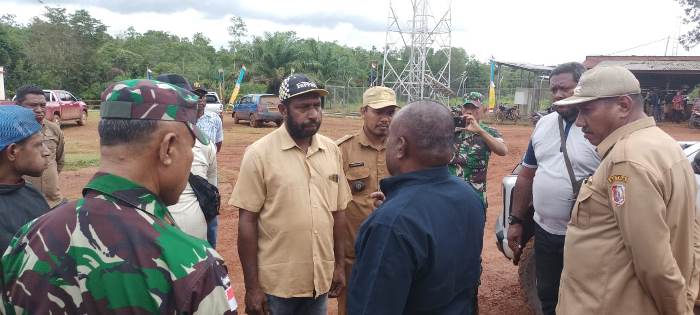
(639, 46)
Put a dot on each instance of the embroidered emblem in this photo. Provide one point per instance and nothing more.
(617, 178)
(333, 177)
(356, 164)
(618, 194)
(230, 296)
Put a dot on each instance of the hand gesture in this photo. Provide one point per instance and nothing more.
(515, 234)
(378, 197)
(472, 124)
(256, 302)
(338, 283)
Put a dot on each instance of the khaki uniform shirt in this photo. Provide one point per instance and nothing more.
(48, 182)
(632, 243)
(295, 194)
(364, 165)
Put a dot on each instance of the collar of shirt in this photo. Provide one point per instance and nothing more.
(609, 142)
(364, 141)
(130, 193)
(289, 143)
(391, 184)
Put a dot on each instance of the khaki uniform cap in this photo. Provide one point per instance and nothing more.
(379, 97)
(602, 82)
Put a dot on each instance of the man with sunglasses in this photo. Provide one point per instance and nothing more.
(364, 164)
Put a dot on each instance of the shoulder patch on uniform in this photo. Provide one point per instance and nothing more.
(343, 139)
(617, 178)
(617, 191)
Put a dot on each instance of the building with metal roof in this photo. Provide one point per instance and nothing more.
(661, 72)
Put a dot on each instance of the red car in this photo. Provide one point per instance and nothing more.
(61, 106)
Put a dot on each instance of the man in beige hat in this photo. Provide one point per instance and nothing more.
(632, 242)
(364, 165)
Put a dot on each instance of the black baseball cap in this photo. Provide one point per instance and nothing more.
(181, 81)
(298, 84)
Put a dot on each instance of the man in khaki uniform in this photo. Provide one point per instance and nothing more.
(32, 97)
(632, 242)
(364, 165)
(290, 192)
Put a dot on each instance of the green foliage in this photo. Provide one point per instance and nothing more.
(692, 12)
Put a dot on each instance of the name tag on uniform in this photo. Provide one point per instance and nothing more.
(356, 164)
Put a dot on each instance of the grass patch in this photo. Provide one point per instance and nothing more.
(76, 161)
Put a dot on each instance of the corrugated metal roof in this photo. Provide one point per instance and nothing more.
(653, 65)
(526, 66)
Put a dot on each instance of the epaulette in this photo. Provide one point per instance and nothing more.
(343, 139)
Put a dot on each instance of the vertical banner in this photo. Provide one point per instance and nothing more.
(492, 87)
(237, 88)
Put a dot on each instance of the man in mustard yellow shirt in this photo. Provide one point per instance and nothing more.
(632, 243)
(290, 192)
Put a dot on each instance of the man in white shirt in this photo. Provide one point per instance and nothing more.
(187, 212)
(544, 182)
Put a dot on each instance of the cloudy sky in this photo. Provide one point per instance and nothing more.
(539, 31)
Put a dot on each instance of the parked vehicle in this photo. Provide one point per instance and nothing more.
(694, 119)
(526, 266)
(257, 109)
(507, 113)
(214, 104)
(535, 116)
(62, 106)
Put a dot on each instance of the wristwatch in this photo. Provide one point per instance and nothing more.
(514, 220)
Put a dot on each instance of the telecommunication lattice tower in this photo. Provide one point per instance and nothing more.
(417, 37)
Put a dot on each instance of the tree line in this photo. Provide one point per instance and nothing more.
(72, 50)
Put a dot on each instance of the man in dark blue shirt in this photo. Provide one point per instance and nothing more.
(418, 253)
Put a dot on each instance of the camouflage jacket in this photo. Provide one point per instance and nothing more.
(116, 251)
(471, 159)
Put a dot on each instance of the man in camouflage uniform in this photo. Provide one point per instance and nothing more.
(32, 97)
(473, 146)
(117, 250)
(364, 164)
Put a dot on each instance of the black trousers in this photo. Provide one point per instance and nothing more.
(549, 262)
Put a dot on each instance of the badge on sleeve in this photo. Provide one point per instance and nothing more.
(230, 296)
(617, 191)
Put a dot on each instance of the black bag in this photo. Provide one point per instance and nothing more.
(207, 196)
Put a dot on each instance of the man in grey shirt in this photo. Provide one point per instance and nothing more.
(544, 182)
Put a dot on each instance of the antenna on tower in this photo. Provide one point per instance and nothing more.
(409, 43)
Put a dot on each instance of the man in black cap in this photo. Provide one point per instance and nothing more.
(210, 124)
(290, 192)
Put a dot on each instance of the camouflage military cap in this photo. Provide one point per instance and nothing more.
(473, 98)
(151, 100)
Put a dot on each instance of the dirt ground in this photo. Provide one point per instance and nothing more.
(499, 292)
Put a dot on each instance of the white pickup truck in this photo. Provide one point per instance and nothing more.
(526, 266)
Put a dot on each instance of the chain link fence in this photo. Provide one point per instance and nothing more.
(347, 100)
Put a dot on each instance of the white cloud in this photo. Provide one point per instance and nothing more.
(544, 31)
